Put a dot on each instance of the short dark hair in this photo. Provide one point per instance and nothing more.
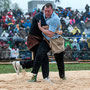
(43, 7)
(49, 5)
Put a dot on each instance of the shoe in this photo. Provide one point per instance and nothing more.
(47, 79)
(33, 79)
(63, 78)
(17, 66)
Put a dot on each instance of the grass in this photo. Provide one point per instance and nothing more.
(53, 67)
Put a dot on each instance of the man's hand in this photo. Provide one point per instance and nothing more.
(59, 32)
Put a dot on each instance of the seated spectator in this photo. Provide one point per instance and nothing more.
(27, 24)
(88, 41)
(22, 24)
(4, 34)
(15, 35)
(72, 21)
(10, 42)
(84, 36)
(22, 49)
(67, 43)
(22, 33)
(75, 50)
(70, 28)
(84, 54)
(87, 31)
(5, 54)
(64, 26)
(14, 52)
(82, 26)
(68, 53)
(27, 31)
(86, 19)
(75, 45)
(67, 20)
(75, 53)
(84, 49)
(76, 31)
(83, 44)
(16, 30)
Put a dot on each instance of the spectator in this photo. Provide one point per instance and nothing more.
(4, 34)
(83, 44)
(72, 21)
(70, 28)
(67, 43)
(84, 36)
(14, 52)
(76, 31)
(88, 41)
(75, 45)
(84, 49)
(27, 23)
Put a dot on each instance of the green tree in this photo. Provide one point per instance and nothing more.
(15, 6)
(4, 4)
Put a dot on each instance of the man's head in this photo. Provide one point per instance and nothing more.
(48, 10)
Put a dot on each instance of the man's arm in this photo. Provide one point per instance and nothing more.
(45, 27)
(45, 31)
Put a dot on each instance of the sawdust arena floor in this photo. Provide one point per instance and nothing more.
(75, 80)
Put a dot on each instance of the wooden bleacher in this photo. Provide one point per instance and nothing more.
(83, 61)
(51, 60)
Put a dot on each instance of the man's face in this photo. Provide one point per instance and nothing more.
(48, 12)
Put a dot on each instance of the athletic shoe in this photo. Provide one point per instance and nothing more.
(34, 78)
(17, 66)
(47, 79)
(63, 78)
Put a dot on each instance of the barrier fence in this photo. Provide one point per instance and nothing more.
(27, 55)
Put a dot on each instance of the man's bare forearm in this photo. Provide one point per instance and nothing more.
(47, 32)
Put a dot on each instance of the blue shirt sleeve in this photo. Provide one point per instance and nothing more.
(54, 25)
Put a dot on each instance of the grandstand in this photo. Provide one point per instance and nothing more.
(15, 26)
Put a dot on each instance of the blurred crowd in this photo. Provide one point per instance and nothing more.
(15, 26)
